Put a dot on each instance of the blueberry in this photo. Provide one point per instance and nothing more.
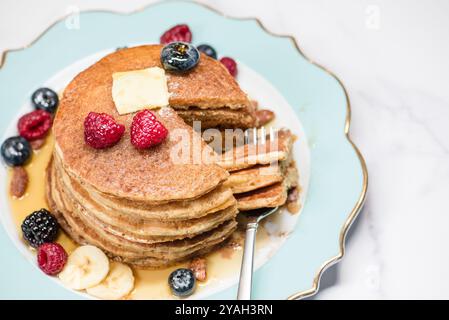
(207, 50)
(179, 57)
(45, 99)
(16, 151)
(182, 282)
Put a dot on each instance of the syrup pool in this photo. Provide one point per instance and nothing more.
(223, 265)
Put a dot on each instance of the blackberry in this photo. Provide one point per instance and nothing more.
(40, 227)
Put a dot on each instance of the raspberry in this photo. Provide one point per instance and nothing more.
(101, 131)
(51, 258)
(180, 32)
(146, 130)
(230, 64)
(35, 125)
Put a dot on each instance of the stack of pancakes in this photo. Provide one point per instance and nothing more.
(148, 208)
(262, 173)
(155, 207)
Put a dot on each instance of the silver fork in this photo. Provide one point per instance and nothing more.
(246, 271)
(254, 217)
(255, 136)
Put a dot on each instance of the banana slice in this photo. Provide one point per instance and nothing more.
(118, 283)
(86, 267)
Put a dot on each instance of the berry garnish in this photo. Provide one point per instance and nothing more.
(35, 125)
(45, 99)
(230, 64)
(207, 50)
(146, 130)
(40, 227)
(51, 258)
(182, 282)
(179, 57)
(101, 131)
(16, 151)
(180, 32)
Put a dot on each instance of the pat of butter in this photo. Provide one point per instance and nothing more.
(139, 89)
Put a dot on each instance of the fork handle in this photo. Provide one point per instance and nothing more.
(246, 272)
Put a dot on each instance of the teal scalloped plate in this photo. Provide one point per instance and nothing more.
(314, 99)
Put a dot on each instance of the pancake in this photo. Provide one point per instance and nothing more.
(258, 176)
(209, 85)
(155, 175)
(224, 139)
(220, 118)
(248, 155)
(269, 197)
(254, 178)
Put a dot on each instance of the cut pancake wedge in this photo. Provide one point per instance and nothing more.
(220, 118)
(164, 173)
(269, 197)
(248, 155)
(254, 178)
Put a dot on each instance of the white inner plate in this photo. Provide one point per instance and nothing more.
(257, 88)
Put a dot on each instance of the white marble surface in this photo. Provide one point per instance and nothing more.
(392, 57)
